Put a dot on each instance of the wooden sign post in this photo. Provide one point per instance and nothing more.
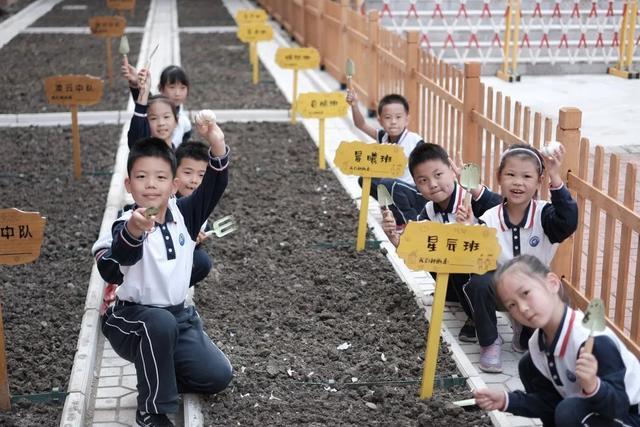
(108, 27)
(253, 33)
(74, 90)
(317, 105)
(445, 249)
(122, 5)
(369, 161)
(297, 58)
(21, 236)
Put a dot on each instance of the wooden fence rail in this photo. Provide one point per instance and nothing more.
(453, 108)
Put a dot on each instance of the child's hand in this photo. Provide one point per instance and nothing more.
(553, 165)
(464, 215)
(144, 80)
(389, 226)
(457, 164)
(202, 236)
(139, 223)
(490, 400)
(587, 371)
(129, 72)
(214, 136)
(352, 97)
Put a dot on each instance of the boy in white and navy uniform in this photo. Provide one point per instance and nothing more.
(550, 370)
(149, 323)
(543, 227)
(393, 116)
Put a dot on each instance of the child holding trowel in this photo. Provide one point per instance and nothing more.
(174, 85)
(565, 384)
(435, 178)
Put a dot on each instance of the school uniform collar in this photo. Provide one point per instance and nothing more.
(527, 220)
(168, 216)
(560, 342)
(456, 199)
(386, 139)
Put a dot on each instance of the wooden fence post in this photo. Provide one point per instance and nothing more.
(320, 34)
(411, 86)
(344, 37)
(374, 70)
(471, 144)
(568, 133)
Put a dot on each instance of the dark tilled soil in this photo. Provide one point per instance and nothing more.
(203, 13)
(224, 80)
(279, 306)
(43, 301)
(34, 57)
(61, 16)
(9, 11)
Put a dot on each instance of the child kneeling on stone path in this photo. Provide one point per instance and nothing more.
(173, 85)
(564, 385)
(393, 116)
(149, 323)
(435, 178)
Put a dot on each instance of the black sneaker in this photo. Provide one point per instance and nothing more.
(468, 332)
(146, 419)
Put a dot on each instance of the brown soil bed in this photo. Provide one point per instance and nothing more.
(225, 81)
(34, 57)
(61, 15)
(203, 13)
(43, 301)
(8, 11)
(280, 306)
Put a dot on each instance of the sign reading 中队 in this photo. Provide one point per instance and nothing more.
(121, 4)
(318, 105)
(107, 26)
(449, 248)
(297, 57)
(255, 32)
(247, 16)
(73, 89)
(21, 236)
(370, 160)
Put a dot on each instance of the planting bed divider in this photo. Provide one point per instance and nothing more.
(63, 16)
(220, 74)
(43, 301)
(34, 57)
(280, 306)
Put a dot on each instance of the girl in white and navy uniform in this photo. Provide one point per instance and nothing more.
(524, 225)
(564, 385)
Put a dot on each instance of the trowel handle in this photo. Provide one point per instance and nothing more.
(588, 345)
(467, 200)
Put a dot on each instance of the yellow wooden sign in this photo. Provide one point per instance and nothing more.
(297, 57)
(449, 248)
(121, 4)
(247, 16)
(370, 159)
(21, 236)
(73, 89)
(107, 26)
(255, 32)
(318, 105)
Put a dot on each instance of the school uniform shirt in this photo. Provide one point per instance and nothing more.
(182, 132)
(618, 385)
(433, 212)
(408, 141)
(544, 226)
(156, 268)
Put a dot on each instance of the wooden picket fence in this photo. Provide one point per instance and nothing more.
(453, 108)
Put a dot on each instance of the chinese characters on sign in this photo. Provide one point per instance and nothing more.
(449, 248)
(73, 89)
(107, 26)
(297, 57)
(254, 32)
(21, 236)
(249, 16)
(317, 105)
(370, 160)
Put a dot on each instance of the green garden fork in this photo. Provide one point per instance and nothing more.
(222, 226)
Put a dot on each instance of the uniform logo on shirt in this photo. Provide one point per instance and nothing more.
(570, 376)
(534, 241)
(181, 239)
